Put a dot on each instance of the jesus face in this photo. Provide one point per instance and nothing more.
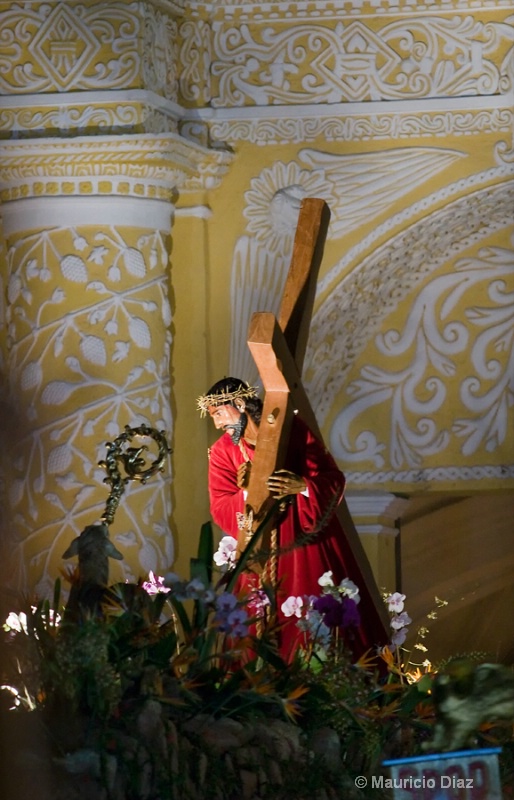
(229, 419)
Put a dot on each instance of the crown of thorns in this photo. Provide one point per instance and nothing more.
(222, 397)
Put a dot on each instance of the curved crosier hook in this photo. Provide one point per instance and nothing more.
(133, 461)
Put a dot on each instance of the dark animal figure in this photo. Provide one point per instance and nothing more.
(465, 696)
(93, 548)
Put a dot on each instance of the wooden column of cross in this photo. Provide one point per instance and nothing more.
(278, 348)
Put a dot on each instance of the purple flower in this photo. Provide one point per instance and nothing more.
(337, 613)
(398, 638)
(400, 621)
(232, 621)
(313, 625)
(351, 615)
(331, 609)
(237, 621)
(226, 602)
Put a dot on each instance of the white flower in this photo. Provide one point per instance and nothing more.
(16, 622)
(292, 607)
(395, 602)
(326, 579)
(350, 589)
(226, 552)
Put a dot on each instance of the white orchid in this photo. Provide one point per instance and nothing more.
(350, 589)
(225, 555)
(395, 602)
(292, 607)
(326, 579)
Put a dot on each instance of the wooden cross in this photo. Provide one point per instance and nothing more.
(278, 348)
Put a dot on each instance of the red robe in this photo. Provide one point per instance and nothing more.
(299, 568)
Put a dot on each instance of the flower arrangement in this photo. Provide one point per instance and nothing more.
(143, 627)
(167, 655)
(324, 618)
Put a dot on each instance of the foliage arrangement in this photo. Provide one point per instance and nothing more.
(137, 697)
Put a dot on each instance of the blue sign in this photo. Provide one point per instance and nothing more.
(458, 775)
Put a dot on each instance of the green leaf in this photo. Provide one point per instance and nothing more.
(206, 550)
(57, 596)
(181, 613)
(201, 568)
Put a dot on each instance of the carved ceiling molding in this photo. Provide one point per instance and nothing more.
(476, 477)
(282, 61)
(142, 166)
(55, 46)
(351, 125)
(326, 8)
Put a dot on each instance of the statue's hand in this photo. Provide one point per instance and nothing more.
(283, 483)
(243, 474)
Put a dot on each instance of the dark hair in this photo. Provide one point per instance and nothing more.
(253, 404)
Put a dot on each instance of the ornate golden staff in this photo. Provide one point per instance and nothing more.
(133, 461)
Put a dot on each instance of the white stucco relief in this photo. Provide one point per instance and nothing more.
(115, 45)
(65, 47)
(364, 297)
(355, 187)
(351, 61)
(433, 340)
(110, 307)
(337, 123)
(305, 9)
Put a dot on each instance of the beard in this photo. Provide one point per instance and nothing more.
(238, 428)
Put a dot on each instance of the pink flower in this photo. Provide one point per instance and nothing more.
(155, 584)
(257, 602)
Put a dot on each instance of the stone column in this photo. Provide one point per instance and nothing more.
(91, 161)
(87, 229)
(376, 516)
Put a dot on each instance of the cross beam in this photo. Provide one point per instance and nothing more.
(278, 349)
